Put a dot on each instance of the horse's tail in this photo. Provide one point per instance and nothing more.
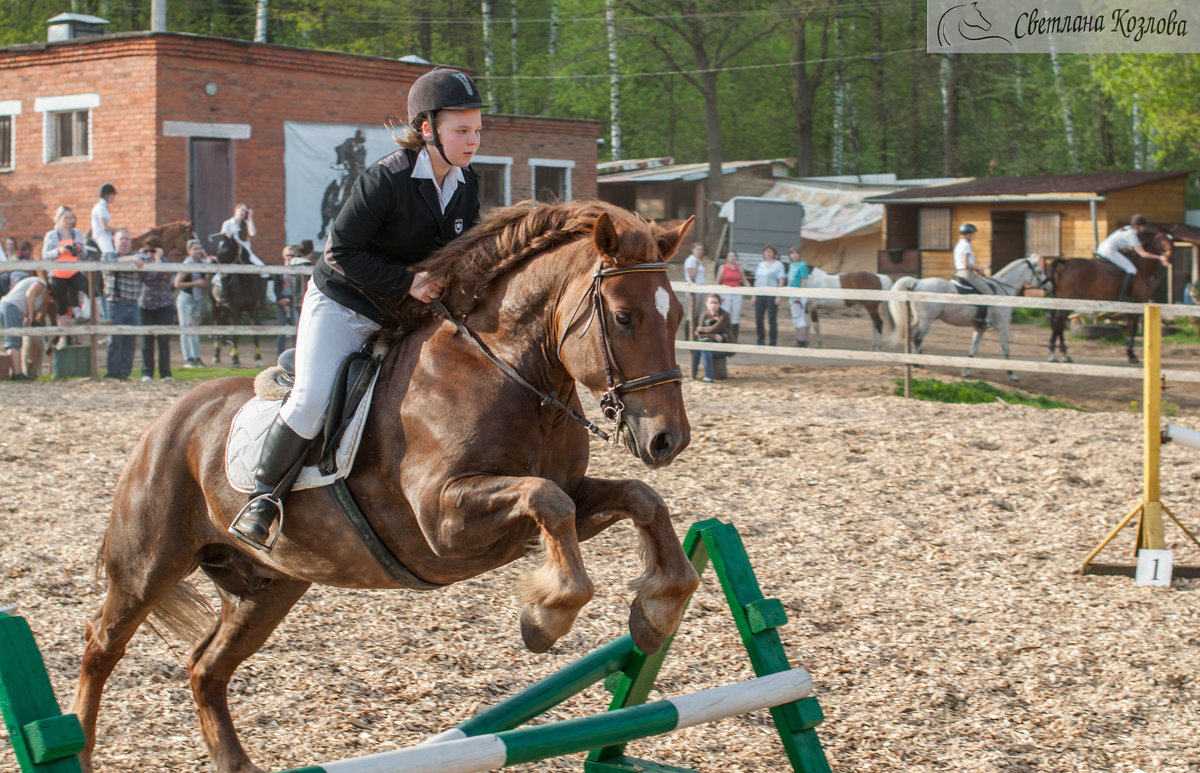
(184, 612)
(885, 311)
(1056, 267)
(898, 309)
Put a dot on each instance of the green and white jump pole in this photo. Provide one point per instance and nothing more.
(455, 752)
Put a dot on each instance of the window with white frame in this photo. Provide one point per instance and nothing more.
(551, 178)
(67, 126)
(9, 110)
(495, 180)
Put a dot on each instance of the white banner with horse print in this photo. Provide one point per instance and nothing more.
(1063, 27)
(321, 161)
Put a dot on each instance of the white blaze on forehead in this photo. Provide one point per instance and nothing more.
(662, 301)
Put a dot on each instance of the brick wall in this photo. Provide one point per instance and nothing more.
(144, 79)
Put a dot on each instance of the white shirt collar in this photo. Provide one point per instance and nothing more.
(423, 170)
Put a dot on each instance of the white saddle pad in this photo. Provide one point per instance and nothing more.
(249, 430)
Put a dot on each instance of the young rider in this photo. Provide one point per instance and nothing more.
(965, 269)
(401, 209)
(1127, 238)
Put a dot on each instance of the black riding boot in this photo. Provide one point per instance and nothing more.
(981, 314)
(282, 448)
(1124, 294)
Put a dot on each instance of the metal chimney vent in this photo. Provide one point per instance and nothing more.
(68, 26)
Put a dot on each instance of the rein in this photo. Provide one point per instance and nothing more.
(610, 401)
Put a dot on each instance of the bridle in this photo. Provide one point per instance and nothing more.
(611, 404)
(1043, 280)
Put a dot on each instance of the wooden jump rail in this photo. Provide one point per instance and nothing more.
(475, 754)
(47, 741)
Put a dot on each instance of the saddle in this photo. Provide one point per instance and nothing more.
(332, 453)
(962, 287)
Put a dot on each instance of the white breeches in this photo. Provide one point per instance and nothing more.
(327, 333)
(1120, 261)
(733, 305)
(797, 306)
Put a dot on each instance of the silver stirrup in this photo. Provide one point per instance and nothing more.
(270, 544)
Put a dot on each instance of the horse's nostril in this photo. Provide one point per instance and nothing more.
(662, 444)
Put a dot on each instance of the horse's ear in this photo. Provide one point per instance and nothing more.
(668, 241)
(604, 234)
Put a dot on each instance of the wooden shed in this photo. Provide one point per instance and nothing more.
(1052, 215)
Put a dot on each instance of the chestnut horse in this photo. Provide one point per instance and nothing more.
(1096, 279)
(881, 318)
(463, 469)
(172, 237)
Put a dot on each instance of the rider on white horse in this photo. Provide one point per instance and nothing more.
(966, 270)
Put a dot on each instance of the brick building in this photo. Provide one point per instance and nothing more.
(186, 126)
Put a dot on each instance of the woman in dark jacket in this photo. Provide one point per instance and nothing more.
(400, 210)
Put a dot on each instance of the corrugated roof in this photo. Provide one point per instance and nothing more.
(1024, 185)
(683, 172)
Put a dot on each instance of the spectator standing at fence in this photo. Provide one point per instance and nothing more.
(64, 243)
(7, 247)
(714, 326)
(770, 273)
(23, 306)
(693, 274)
(121, 291)
(732, 275)
(102, 230)
(23, 253)
(156, 306)
(798, 277)
(287, 310)
(190, 287)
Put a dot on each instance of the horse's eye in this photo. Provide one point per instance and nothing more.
(624, 318)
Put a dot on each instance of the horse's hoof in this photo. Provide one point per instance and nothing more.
(536, 640)
(1013, 377)
(647, 637)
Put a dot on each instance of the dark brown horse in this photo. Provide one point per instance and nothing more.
(172, 237)
(463, 468)
(1096, 279)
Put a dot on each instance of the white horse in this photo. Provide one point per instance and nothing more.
(881, 318)
(1010, 280)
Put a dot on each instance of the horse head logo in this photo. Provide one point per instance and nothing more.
(964, 22)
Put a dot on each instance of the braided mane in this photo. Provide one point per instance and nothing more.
(509, 236)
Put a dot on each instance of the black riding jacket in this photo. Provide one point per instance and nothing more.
(391, 221)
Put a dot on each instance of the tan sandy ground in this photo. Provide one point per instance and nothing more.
(925, 554)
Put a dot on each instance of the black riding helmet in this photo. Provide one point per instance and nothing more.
(441, 89)
(967, 228)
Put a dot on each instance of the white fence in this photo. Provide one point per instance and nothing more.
(1171, 311)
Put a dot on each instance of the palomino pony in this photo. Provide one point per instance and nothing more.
(464, 467)
(1098, 280)
(237, 297)
(172, 237)
(1010, 280)
(853, 280)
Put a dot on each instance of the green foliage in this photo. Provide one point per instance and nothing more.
(974, 392)
(877, 101)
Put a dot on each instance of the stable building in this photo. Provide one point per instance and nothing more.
(187, 126)
(1056, 216)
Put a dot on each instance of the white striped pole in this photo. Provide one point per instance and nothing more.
(511, 747)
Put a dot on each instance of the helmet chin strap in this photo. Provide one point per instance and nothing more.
(437, 140)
